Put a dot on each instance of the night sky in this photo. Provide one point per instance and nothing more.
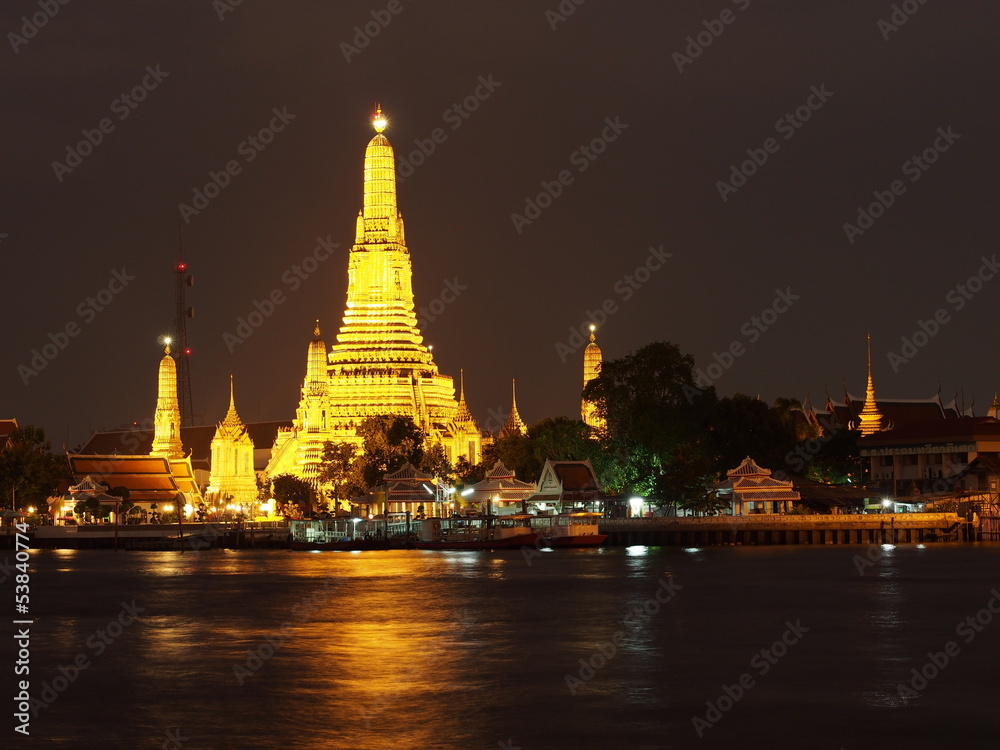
(866, 106)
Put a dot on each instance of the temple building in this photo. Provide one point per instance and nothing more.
(591, 369)
(751, 489)
(233, 478)
(379, 363)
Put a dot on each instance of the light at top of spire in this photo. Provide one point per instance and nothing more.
(379, 122)
(592, 328)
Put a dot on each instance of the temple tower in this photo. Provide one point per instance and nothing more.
(167, 420)
(379, 364)
(514, 425)
(871, 418)
(232, 459)
(592, 359)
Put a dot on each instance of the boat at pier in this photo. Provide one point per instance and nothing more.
(475, 532)
(338, 534)
(579, 529)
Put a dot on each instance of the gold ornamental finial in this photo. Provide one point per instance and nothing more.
(379, 122)
(316, 330)
(166, 344)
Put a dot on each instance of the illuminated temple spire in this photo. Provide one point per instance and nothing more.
(871, 419)
(463, 416)
(380, 325)
(379, 364)
(592, 359)
(167, 420)
(994, 410)
(515, 425)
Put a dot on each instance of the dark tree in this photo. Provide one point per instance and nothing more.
(29, 472)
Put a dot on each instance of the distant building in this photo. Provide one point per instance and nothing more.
(592, 360)
(930, 457)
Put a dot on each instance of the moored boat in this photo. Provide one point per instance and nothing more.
(475, 532)
(577, 529)
(337, 534)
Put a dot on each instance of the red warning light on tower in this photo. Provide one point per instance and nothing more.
(182, 266)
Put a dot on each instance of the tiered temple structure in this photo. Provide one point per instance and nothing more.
(379, 364)
(591, 369)
(233, 477)
(167, 419)
(870, 419)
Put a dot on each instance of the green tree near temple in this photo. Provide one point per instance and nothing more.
(29, 472)
(657, 420)
(389, 442)
(291, 492)
(339, 472)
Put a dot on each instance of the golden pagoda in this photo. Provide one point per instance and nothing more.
(232, 459)
(379, 364)
(167, 419)
(871, 418)
(994, 410)
(514, 425)
(591, 369)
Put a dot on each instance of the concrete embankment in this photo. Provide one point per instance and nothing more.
(161, 536)
(897, 528)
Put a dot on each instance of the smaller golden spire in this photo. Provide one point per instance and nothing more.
(316, 332)
(515, 425)
(871, 418)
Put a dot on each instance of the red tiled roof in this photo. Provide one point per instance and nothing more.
(959, 429)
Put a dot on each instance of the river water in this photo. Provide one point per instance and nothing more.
(793, 647)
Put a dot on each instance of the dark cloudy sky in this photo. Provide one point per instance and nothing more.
(553, 90)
